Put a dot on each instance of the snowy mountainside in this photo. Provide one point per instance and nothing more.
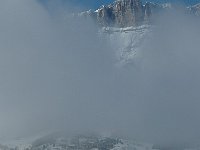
(77, 143)
(80, 142)
(127, 42)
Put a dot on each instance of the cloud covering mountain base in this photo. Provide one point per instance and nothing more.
(59, 74)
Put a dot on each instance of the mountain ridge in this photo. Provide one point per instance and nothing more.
(125, 13)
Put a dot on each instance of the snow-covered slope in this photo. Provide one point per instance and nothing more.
(81, 142)
(76, 143)
(127, 41)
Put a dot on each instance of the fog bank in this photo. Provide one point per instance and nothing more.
(58, 74)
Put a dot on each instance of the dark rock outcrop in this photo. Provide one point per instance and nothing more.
(121, 13)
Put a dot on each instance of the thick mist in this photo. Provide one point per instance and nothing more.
(59, 74)
(171, 79)
(52, 70)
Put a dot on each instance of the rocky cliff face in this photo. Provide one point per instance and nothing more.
(124, 13)
(121, 13)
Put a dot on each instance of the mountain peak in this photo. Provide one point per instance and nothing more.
(124, 13)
